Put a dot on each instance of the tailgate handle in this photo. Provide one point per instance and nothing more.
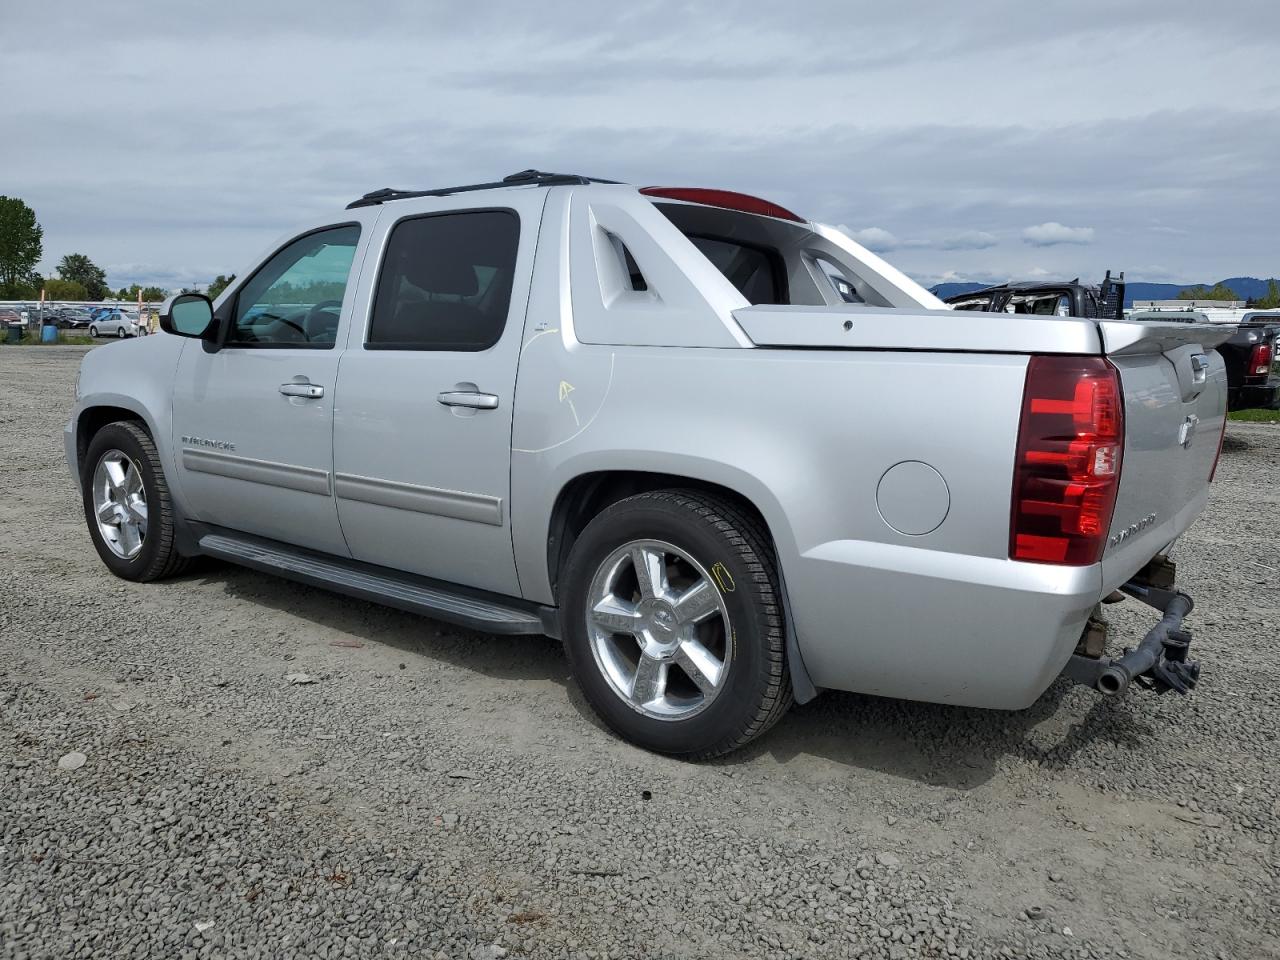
(1199, 368)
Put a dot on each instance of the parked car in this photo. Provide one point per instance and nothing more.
(69, 318)
(646, 422)
(9, 316)
(114, 322)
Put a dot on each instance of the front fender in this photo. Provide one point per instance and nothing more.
(135, 376)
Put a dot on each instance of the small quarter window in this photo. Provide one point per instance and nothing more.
(635, 279)
(446, 282)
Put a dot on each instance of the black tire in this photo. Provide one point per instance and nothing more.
(158, 556)
(93, 331)
(713, 532)
(120, 333)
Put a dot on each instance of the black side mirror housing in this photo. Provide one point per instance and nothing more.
(188, 315)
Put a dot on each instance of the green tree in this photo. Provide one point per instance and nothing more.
(1271, 299)
(21, 245)
(149, 294)
(56, 289)
(219, 284)
(1219, 291)
(78, 267)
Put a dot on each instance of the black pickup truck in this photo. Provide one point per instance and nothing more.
(1253, 366)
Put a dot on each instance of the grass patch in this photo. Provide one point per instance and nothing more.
(64, 339)
(1255, 416)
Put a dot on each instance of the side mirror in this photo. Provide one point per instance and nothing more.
(188, 315)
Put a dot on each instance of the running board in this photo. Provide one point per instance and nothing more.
(440, 601)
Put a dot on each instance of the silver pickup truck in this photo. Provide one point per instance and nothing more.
(726, 454)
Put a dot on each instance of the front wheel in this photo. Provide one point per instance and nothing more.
(93, 331)
(673, 623)
(127, 504)
(120, 334)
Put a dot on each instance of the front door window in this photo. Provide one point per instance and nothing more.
(295, 299)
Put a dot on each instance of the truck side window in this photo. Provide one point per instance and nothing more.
(295, 299)
(446, 282)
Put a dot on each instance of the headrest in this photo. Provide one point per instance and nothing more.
(446, 271)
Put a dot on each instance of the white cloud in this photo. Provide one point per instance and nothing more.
(159, 275)
(1053, 233)
(875, 239)
(968, 240)
(217, 165)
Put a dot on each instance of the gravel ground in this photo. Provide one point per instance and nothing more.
(436, 793)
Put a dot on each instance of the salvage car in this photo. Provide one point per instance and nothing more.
(1048, 298)
(647, 422)
(69, 318)
(114, 322)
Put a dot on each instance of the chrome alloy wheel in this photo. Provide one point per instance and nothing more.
(659, 630)
(120, 504)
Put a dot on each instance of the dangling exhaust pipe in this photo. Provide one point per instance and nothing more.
(1160, 660)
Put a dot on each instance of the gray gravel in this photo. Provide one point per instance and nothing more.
(436, 793)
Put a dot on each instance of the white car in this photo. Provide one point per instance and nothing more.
(115, 323)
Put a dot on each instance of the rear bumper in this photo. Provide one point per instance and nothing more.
(920, 624)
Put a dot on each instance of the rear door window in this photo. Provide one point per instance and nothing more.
(446, 282)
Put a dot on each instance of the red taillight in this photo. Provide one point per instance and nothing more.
(1067, 470)
(726, 199)
(1260, 359)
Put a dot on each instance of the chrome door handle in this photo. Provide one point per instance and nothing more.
(311, 391)
(468, 398)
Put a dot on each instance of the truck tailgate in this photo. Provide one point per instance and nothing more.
(1175, 402)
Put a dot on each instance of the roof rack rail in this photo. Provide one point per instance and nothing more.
(524, 178)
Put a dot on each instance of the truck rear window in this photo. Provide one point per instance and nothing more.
(752, 270)
(741, 246)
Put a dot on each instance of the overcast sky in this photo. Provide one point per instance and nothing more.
(983, 140)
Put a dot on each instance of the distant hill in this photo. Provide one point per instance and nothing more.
(1247, 287)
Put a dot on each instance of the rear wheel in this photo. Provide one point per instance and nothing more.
(673, 625)
(93, 330)
(127, 504)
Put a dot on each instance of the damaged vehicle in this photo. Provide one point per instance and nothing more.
(680, 429)
(1104, 301)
